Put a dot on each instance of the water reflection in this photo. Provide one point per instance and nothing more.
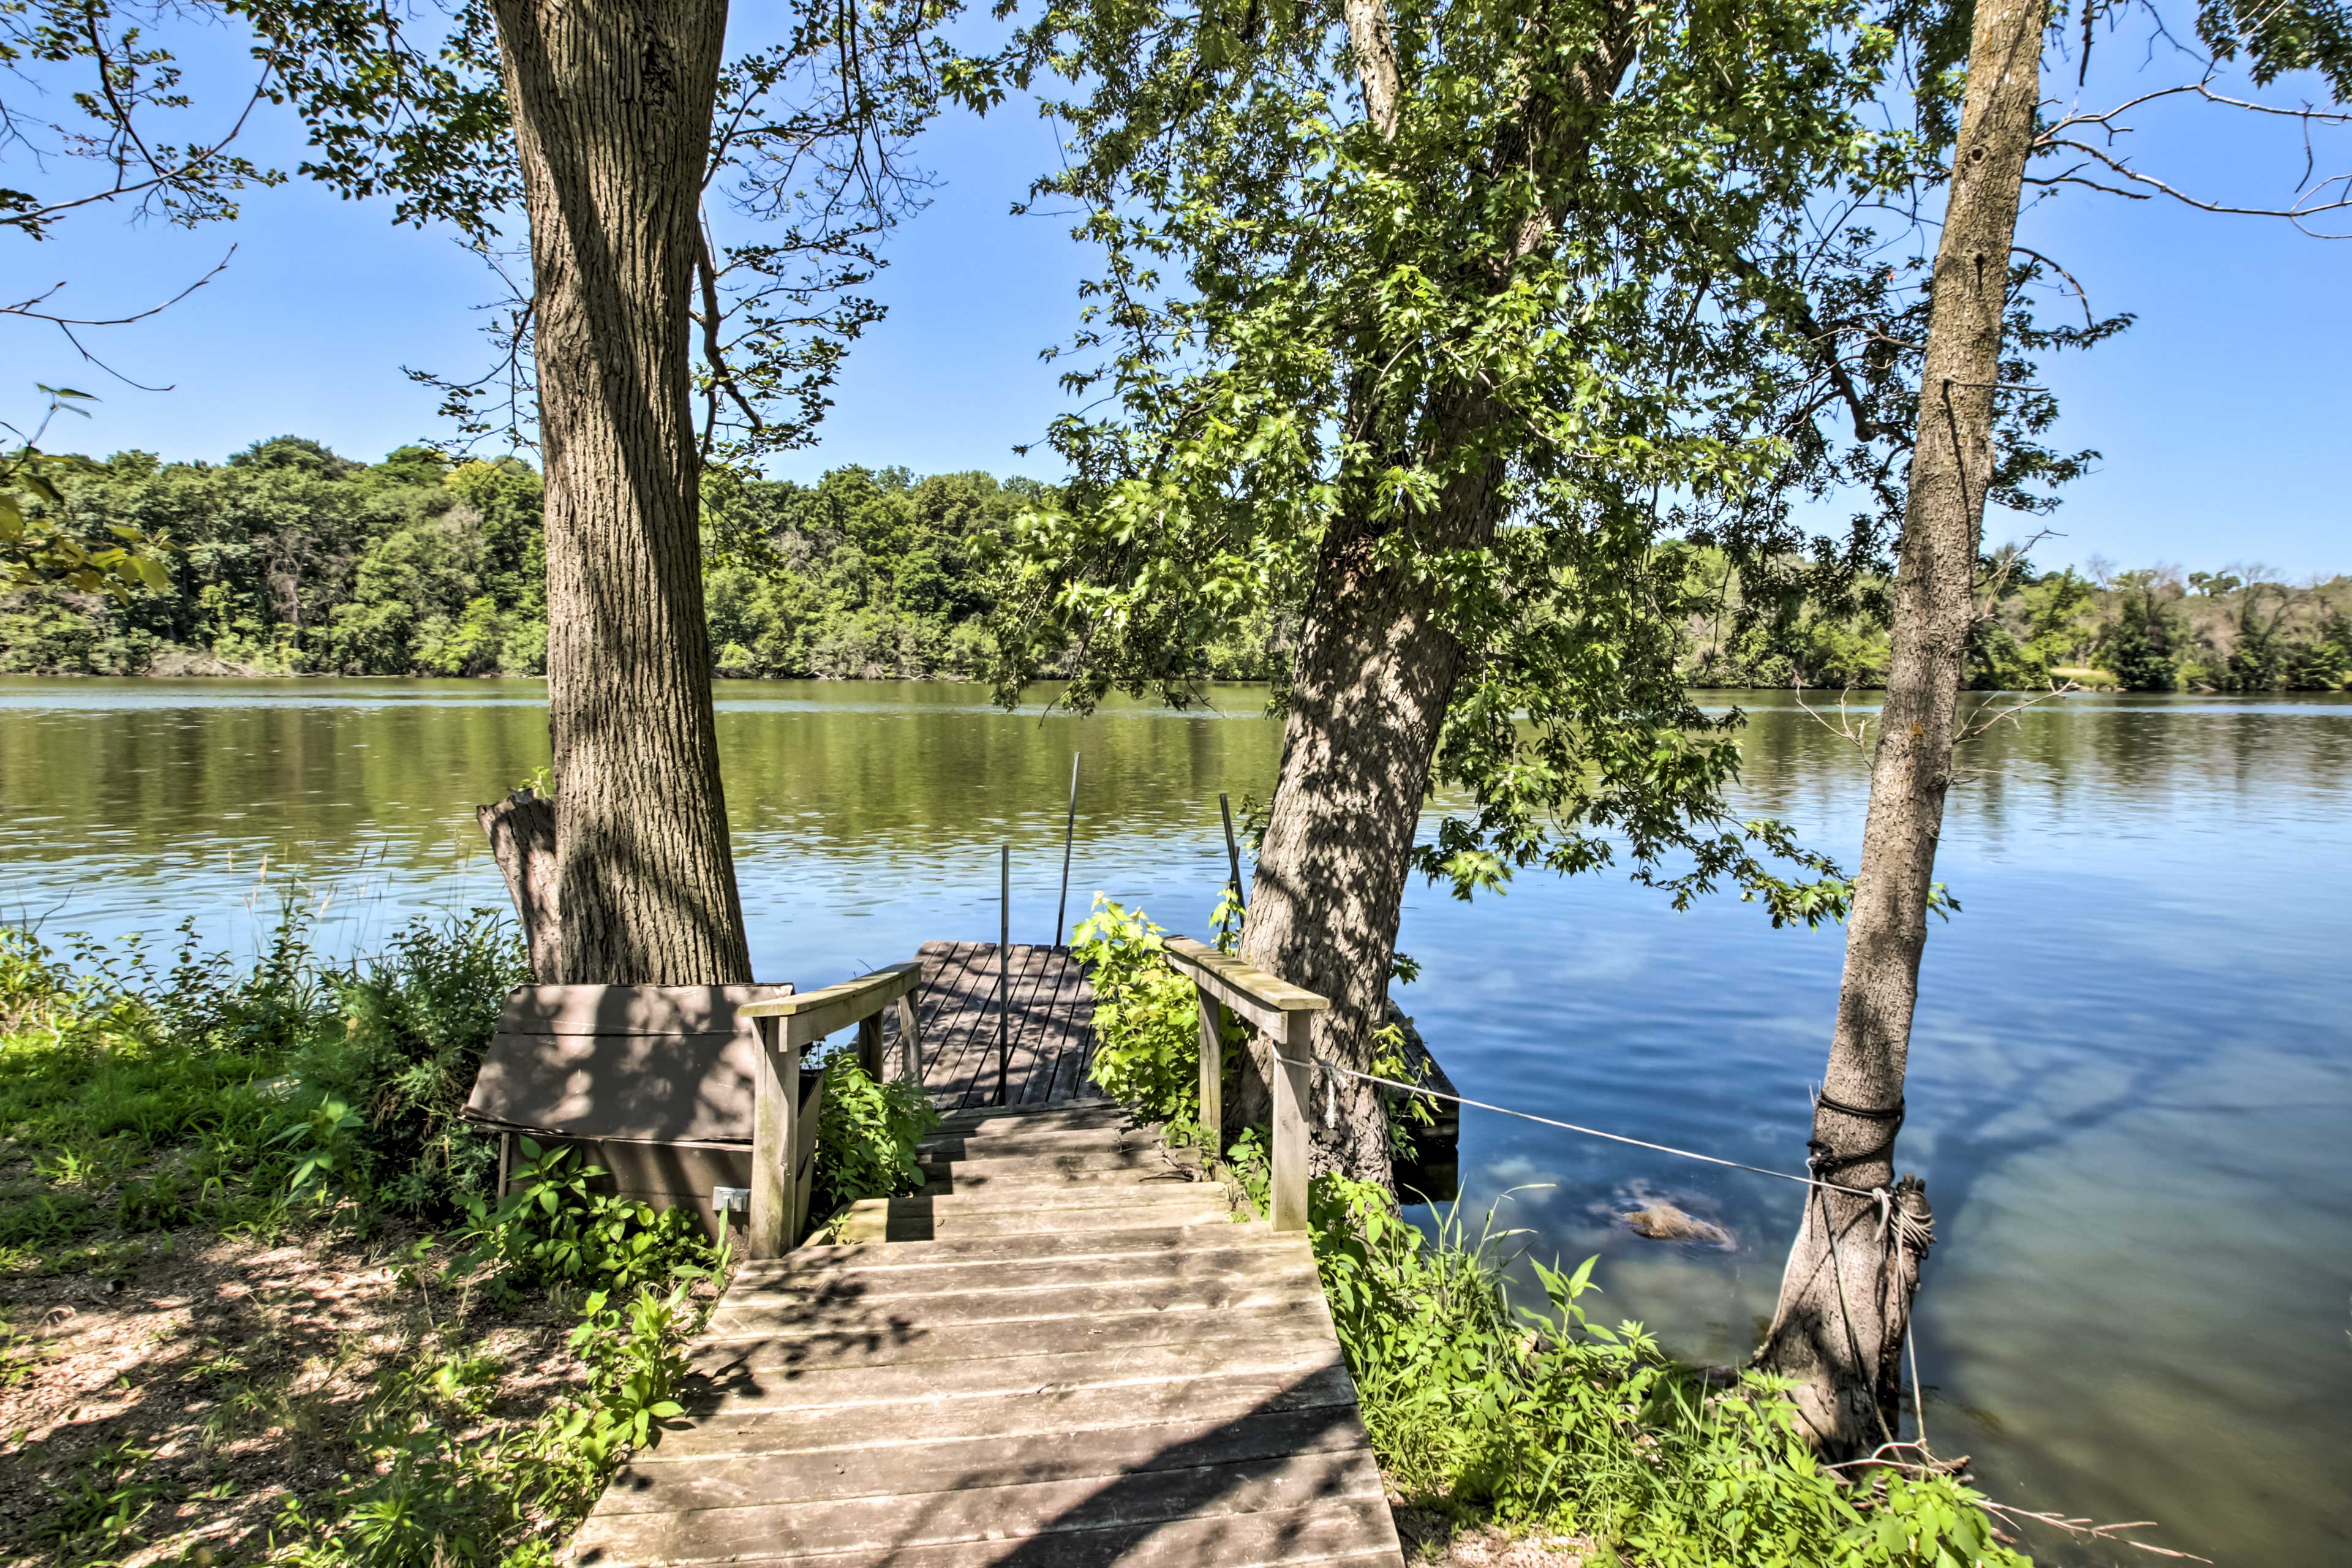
(2130, 1086)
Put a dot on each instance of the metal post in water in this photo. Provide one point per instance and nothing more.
(1232, 851)
(1069, 834)
(1003, 961)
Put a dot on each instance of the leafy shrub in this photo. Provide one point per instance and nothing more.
(866, 1135)
(1546, 1417)
(632, 1374)
(325, 1143)
(415, 1022)
(555, 1227)
(1147, 1017)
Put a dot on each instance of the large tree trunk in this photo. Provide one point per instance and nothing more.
(1371, 681)
(612, 103)
(1373, 674)
(1845, 1299)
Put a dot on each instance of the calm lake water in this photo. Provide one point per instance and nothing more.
(2132, 1082)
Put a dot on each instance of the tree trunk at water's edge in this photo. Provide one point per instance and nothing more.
(1374, 672)
(612, 102)
(1845, 1299)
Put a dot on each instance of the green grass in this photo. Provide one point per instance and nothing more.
(191, 1121)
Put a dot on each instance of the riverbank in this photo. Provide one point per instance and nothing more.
(200, 664)
(260, 1302)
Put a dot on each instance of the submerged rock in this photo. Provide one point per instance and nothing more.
(1661, 1221)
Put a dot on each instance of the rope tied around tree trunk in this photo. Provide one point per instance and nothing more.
(1821, 1162)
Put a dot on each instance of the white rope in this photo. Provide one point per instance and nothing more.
(1872, 1194)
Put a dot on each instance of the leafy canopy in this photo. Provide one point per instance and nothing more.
(1515, 341)
(34, 549)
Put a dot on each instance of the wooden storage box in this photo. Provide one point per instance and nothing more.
(654, 1084)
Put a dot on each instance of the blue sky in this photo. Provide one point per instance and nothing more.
(2220, 415)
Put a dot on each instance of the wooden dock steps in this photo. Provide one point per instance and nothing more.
(1041, 1168)
(1087, 1361)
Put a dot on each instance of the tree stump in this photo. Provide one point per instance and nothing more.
(521, 830)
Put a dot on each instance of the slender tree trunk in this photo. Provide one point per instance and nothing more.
(1370, 684)
(612, 103)
(1845, 1299)
(1372, 680)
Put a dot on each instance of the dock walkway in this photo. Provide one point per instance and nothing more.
(1062, 1351)
(1049, 1024)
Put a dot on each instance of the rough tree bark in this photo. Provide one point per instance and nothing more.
(1374, 672)
(1845, 1299)
(612, 102)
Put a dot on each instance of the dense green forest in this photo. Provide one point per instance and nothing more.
(2148, 629)
(289, 559)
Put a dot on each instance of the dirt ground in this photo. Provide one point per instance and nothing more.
(164, 1408)
(1431, 1540)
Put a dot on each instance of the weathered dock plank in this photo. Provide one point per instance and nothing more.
(995, 1460)
(965, 1514)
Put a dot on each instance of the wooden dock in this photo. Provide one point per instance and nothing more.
(1049, 1024)
(1065, 1351)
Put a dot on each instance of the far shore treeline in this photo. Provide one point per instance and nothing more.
(291, 560)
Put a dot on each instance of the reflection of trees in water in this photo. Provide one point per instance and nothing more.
(116, 790)
(952, 776)
(2088, 764)
(891, 773)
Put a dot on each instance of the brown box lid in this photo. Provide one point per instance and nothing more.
(654, 1063)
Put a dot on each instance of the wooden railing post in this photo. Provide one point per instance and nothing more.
(775, 1106)
(788, 1026)
(910, 1039)
(1213, 1071)
(1285, 1014)
(1293, 1096)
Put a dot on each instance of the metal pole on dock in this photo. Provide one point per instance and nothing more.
(1004, 959)
(1233, 850)
(1069, 834)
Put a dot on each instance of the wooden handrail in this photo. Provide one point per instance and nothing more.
(1285, 1013)
(1264, 999)
(787, 1025)
(814, 1015)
